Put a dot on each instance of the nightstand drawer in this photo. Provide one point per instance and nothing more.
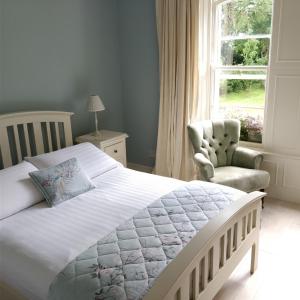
(117, 151)
(111, 142)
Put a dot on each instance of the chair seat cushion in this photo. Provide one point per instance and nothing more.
(247, 180)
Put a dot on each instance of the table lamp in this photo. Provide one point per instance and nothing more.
(95, 104)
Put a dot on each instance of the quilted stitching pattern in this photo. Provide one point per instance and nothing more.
(124, 264)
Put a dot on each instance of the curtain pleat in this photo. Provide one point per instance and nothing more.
(178, 39)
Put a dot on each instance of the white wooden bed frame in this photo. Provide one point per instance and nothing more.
(203, 266)
(34, 119)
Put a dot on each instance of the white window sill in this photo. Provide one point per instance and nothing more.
(251, 145)
(259, 147)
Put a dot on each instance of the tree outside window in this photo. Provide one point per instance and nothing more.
(242, 42)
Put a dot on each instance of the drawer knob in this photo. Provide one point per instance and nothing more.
(116, 151)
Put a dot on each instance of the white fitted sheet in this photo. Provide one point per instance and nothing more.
(37, 243)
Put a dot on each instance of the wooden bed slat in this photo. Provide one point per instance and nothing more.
(68, 131)
(193, 285)
(38, 138)
(254, 219)
(216, 259)
(57, 136)
(228, 243)
(49, 137)
(244, 228)
(17, 141)
(234, 237)
(249, 223)
(185, 289)
(5, 147)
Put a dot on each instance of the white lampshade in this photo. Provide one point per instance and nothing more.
(95, 103)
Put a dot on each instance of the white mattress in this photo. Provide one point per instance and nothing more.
(37, 243)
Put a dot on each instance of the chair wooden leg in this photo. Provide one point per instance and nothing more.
(262, 200)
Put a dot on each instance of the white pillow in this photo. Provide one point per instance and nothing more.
(93, 161)
(17, 191)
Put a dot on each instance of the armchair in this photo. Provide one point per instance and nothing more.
(221, 160)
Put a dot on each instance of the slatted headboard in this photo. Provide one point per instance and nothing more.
(32, 133)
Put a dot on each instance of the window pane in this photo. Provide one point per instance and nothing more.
(245, 52)
(244, 100)
(246, 17)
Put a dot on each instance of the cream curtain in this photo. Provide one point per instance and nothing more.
(178, 39)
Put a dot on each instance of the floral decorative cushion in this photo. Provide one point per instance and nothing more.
(62, 182)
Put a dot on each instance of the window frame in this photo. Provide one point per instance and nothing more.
(217, 67)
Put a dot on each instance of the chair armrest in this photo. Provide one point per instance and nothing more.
(247, 158)
(206, 167)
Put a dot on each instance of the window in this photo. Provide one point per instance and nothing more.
(240, 61)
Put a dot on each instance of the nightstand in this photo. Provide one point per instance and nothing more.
(111, 142)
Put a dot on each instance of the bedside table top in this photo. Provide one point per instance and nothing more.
(105, 135)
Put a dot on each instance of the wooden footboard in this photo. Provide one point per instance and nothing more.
(204, 265)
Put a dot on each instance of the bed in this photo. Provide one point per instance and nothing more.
(31, 259)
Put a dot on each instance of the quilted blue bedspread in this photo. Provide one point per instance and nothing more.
(125, 263)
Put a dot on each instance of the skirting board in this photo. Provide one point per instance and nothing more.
(141, 168)
(285, 176)
(284, 170)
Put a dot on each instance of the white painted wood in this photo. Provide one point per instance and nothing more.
(117, 151)
(228, 243)
(197, 278)
(285, 173)
(288, 40)
(216, 258)
(68, 131)
(282, 113)
(38, 138)
(254, 258)
(286, 114)
(239, 233)
(281, 142)
(49, 137)
(111, 142)
(34, 118)
(185, 289)
(17, 141)
(5, 147)
(291, 174)
(279, 249)
(57, 136)
(174, 277)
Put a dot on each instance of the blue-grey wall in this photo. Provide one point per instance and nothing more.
(53, 53)
(140, 77)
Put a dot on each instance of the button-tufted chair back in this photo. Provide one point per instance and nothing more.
(216, 140)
